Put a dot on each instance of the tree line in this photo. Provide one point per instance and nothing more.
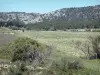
(53, 25)
(64, 25)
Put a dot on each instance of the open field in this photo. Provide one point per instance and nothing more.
(6, 36)
(64, 43)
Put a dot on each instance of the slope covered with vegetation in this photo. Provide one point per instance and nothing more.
(62, 19)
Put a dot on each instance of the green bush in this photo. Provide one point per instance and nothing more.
(75, 65)
(65, 63)
(66, 66)
(26, 49)
(14, 71)
(19, 69)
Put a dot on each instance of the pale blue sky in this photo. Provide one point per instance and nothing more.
(42, 6)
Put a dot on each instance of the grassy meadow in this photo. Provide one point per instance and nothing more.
(64, 43)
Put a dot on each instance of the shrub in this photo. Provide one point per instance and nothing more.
(26, 49)
(66, 63)
(65, 66)
(75, 65)
(14, 71)
(95, 41)
(91, 47)
(19, 69)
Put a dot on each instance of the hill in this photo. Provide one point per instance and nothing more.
(83, 17)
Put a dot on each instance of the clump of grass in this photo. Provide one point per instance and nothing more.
(69, 66)
(64, 65)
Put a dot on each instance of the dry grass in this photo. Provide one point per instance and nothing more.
(63, 42)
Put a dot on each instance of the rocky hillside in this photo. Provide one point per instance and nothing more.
(68, 14)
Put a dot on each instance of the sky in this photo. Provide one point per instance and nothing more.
(42, 6)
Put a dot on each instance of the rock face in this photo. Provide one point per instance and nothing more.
(22, 16)
(68, 14)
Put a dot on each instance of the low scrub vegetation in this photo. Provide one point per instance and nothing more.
(25, 52)
(34, 58)
(26, 49)
(68, 66)
(91, 47)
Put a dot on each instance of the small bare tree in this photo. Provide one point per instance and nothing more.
(96, 45)
(91, 47)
